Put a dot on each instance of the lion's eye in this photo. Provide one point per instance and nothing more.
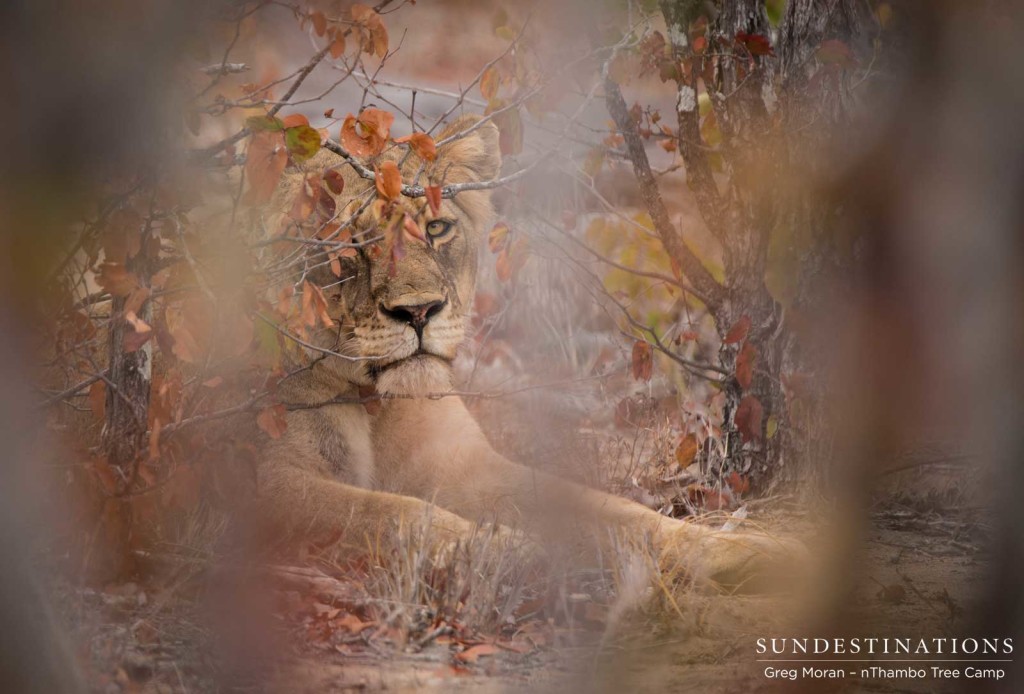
(438, 228)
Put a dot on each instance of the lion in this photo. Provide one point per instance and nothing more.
(341, 474)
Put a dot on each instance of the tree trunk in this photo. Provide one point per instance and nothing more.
(129, 380)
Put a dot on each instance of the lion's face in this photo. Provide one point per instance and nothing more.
(406, 318)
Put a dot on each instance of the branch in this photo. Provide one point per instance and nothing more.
(198, 155)
(677, 249)
(698, 169)
(418, 191)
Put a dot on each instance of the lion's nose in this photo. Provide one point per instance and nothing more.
(416, 315)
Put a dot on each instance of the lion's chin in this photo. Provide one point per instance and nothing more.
(418, 375)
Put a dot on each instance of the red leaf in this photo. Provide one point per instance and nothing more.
(748, 418)
(738, 483)
(334, 181)
(745, 365)
(757, 44)
(738, 331)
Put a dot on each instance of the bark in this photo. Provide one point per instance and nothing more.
(740, 214)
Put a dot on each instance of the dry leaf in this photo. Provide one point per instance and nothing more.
(434, 199)
(738, 331)
(473, 653)
(745, 365)
(367, 134)
(420, 143)
(643, 361)
(272, 420)
(686, 451)
(389, 181)
(749, 414)
(264, 163)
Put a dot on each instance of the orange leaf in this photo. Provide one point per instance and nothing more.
(319, 23)
(497, 240)
(643, 361)
(745, 365)
(353, 624)
(422, 144)
(434, 199)
(116, 279)
(686, 451)
(314, 306)
(379, 39)
(305, 200)
(489, 83)
(738, 331)
(366, 135)
(294, 120)
(273, 421)
(337, 49)
(264, 164)
(471, 654)
(389, 181)
(363, 13)
(412, 228)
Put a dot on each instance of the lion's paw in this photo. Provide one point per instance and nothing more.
(745, 562)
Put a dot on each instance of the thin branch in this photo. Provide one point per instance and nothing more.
(677, 249)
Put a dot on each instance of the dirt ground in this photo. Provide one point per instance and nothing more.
(917, 572)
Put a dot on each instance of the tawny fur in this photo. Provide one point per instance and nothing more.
(342, 474)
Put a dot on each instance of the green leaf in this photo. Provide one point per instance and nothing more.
(302, 141)
(268, 349)
(264, 123)
(774, 10)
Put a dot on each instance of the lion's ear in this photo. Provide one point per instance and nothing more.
(472, 157)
